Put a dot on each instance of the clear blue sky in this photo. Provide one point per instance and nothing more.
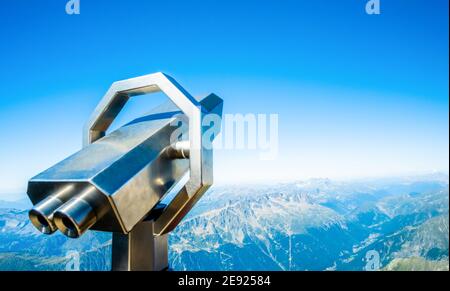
(357, 94)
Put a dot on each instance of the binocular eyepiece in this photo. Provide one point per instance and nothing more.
(68, 211)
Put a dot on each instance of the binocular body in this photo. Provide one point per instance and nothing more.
(119, 178)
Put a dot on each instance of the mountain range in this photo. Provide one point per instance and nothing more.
(317, 224)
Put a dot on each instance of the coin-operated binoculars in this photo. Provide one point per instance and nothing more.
(117, 181)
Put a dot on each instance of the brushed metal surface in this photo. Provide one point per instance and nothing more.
(116, 181)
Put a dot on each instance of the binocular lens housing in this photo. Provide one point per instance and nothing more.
(75, 217)
(41, 215)
(72, 216)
